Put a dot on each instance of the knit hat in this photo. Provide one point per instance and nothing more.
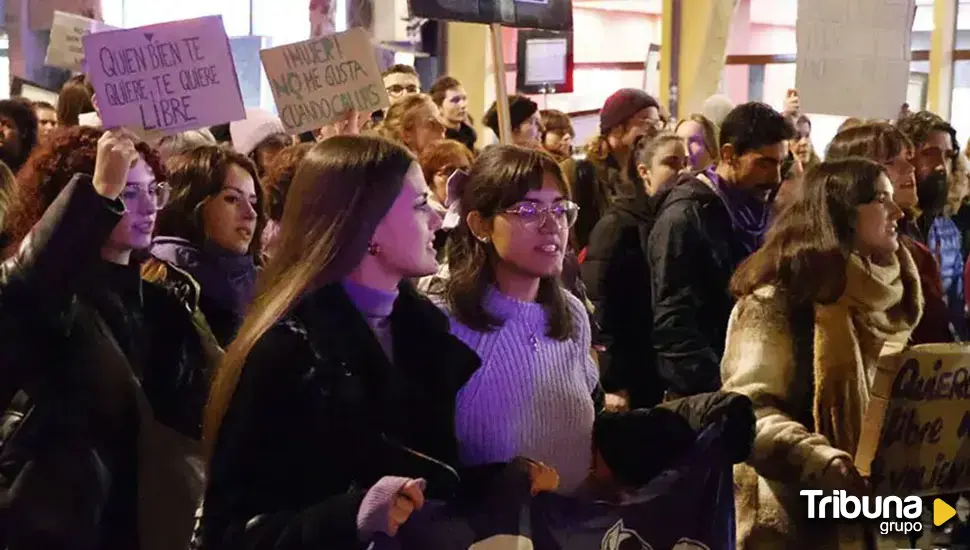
(259, 124)
(622, 105)
(520, 109)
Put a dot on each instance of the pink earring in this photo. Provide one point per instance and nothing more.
(373, 249)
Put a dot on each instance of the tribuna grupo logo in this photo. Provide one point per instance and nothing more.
(898, 515)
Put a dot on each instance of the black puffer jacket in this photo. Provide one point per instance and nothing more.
(617, 277)
(117, 373)
(692, 254)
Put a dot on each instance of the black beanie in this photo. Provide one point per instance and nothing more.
(520, 109)
(622, 105)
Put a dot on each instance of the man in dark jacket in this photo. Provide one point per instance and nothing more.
(705, 225)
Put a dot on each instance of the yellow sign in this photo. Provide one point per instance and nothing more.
(916, 434)
(942, 512)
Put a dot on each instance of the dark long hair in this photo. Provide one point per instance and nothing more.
(75, 99)
(807, 247)
(500, 177)
(49, 169)
(342, 189)
(196, 176)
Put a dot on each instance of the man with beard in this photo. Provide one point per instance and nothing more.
(705, 226)
(18, 132)
(934, 142)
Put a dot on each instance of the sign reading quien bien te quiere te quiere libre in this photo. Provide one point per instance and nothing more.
(317, 81)
(169, 78)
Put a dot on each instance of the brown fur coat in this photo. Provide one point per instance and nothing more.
(769, 357)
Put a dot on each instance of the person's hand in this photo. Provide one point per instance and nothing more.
(116, 154)
(404, 503)
(617, 402)
(841, 474)
(793, 106)
(349, 125)
(543, 479)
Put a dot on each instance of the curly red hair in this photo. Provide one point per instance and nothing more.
(50, 167)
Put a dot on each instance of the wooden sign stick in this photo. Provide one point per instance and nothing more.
(501, 93)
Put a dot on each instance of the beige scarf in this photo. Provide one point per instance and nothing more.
(880, 307)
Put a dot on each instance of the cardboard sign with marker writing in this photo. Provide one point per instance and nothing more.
(317, 81)
(165, 78)
(916, 436)
(65, 49)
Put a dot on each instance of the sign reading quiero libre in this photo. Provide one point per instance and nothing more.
(916, 439)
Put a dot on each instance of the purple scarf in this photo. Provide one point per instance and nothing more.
(749, 215)
(227, 279)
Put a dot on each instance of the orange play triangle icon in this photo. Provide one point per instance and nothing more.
(942, 512)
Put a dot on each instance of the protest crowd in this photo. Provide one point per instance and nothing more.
(385, 330)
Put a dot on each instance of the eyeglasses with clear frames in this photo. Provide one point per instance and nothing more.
(564, 213)
(158, 193)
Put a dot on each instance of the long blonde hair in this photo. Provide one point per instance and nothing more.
(341, 191)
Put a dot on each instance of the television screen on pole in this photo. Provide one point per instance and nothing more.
(556, 15)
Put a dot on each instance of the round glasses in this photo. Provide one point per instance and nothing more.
(158, 193)
(564, 213)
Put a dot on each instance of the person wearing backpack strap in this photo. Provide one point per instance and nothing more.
(594, 181)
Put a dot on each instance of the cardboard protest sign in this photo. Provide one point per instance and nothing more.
(65, 49)
(690, 507)
(317, 81)
(916, 436)
(165, 78)
(860, 44)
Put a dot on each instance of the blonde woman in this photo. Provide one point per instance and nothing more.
(414, 121)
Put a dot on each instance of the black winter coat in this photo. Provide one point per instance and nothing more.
(617, 278)
(320, 414)
(692, 254)
(117, 373)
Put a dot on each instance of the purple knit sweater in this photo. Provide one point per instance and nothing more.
(532, 396)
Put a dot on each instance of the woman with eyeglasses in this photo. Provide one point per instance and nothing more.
(211, 229)
(532, 395)
(415, 122)
(118, 370)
